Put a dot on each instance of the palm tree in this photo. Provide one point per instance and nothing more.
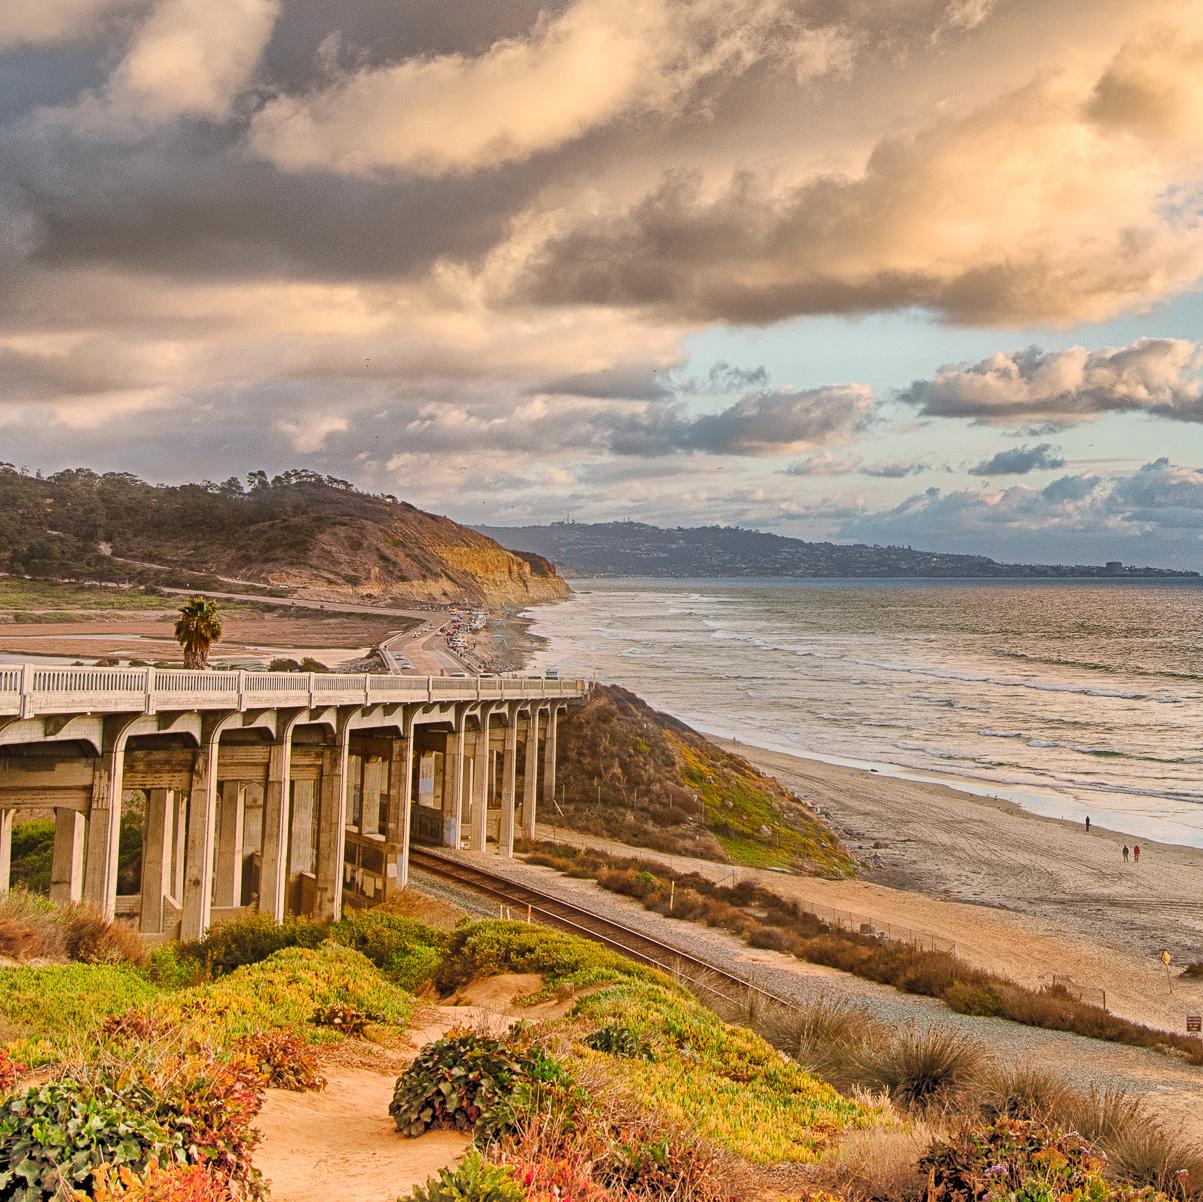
(197, 629)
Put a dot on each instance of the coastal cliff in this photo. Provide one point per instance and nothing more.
(313, 535)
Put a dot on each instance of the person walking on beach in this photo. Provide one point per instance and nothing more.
(1125, 853)
(1088, 824)
(1136, 852)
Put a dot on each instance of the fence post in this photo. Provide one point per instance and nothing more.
(27, 690)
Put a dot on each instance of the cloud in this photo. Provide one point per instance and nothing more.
(309, 435)
(36, 22)
(894, 469)
(1151, 515)
(189, 58)
(1018, 461)
(1154, 88)
(825, 463)
(1024, 209)
(574, 72)
(776, 422)
(1152, 375)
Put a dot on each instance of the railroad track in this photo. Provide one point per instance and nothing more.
(527, 902)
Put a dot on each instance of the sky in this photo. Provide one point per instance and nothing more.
(895, 271)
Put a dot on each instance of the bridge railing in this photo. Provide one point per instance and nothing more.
(29, 689)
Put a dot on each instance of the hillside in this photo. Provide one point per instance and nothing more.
(636, 549)
(309, 534)
(630, 773)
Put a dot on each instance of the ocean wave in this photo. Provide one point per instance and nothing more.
(1001, 734)
(1087, 665)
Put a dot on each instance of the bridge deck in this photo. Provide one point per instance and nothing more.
(29, 689)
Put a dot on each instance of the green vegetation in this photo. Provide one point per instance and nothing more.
(33, 850)
(638, 1093)
(628, 772)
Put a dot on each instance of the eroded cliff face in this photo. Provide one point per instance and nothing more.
(409, 555)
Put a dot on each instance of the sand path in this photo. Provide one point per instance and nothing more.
(339, 1143)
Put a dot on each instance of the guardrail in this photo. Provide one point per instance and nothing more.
(30, 689)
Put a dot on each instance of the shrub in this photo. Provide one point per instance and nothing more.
(284, 991)
(918, 1068)
(408, 951)
(473, 1180)
(211, 1104)
(10, 1071)
(284, 1062)
(346, 1020)
(457, 1079)
(1012, 1158)
(91, 938)
(979, 1000)
(59, 1133)
(490, 947)
(617, 1040)
(248, 940)
(180, 1183)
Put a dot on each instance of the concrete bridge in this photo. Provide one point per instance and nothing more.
(279, 792)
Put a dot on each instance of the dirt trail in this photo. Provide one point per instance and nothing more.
(340, 1143)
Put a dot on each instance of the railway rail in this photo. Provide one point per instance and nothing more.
(525, 901)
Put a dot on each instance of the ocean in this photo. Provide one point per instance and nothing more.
(1070, 698)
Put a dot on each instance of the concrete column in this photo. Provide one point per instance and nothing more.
(454, 769)
(400, 801)
(6, 849)
(277, 817)
(228, 887)
(67, 862)
(201, 838)
(104, 822)
(530, 777)
(509, 785)
(158, 849)
(181, 846)
(549, 759)
(478, 834)
(332, 825)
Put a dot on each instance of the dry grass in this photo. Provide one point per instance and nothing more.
(34, 929)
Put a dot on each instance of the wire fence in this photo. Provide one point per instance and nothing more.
(1082, 993)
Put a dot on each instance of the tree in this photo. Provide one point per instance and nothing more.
(197, 629)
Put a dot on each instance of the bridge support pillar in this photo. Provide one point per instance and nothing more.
(230, 819)
(332, 824)
(549, 758)
(530, 775)
(479, 826)
(67, 860)
(199, 842)
(104, 820)
(454, 791)
(400, 806)
(509, 782)
(158, 848)
(6, 849)
(277, 814)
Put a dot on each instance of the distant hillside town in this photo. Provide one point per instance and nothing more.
(637, 549)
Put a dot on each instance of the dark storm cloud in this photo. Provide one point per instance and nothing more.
(1018, 461)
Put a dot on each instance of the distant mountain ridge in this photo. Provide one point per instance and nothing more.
(313, 535)
(636, 549)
